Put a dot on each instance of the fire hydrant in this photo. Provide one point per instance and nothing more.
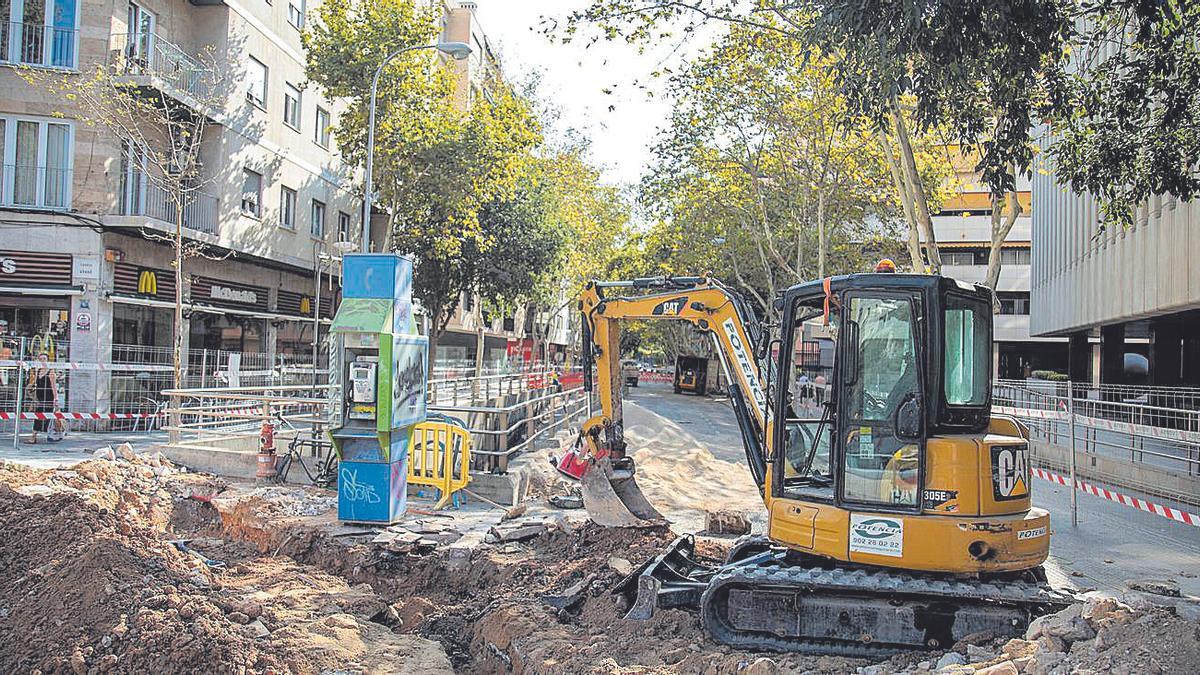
(266, 452)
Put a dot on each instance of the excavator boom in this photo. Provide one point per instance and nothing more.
(610, 492)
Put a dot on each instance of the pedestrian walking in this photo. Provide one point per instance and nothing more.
(42, 392)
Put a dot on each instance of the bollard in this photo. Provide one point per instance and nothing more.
(1071, 419)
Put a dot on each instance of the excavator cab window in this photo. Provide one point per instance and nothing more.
(880, 377)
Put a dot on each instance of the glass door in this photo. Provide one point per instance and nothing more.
(880, 373)
(141, 38)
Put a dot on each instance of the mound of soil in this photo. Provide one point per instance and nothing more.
(79, 588)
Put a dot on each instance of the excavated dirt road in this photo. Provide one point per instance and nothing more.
(268, 581)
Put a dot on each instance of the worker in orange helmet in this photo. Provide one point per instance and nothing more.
(885, 266)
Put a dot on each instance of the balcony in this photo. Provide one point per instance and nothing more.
(35, 44)
(148, 60)
(35, 187)
(201, 212)
(1012, 277)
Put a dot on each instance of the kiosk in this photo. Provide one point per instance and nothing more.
(382, 365)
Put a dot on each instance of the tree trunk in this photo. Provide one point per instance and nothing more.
(177, 355)
(906, 203)
(1002, 224)
(908, 163)
(820, 234)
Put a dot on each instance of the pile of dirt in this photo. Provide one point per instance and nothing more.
(91, 580)
(80, 588)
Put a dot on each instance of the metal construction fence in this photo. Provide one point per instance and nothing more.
(504, 414)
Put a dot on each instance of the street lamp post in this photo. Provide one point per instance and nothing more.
(457, 50)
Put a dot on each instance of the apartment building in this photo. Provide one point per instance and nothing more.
(85, 267)
(1128, 299)
(963, 230)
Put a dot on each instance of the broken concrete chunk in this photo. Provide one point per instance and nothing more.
(566, 501)
(518, 531)
(125, 452)
(621, 566)
(951, 659)
(257, 629)
(1002, 668)
(1167, 587)
(726, 522)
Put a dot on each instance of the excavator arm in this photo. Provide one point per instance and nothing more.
(610, 493)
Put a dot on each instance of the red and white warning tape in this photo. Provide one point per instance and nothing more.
(1126, 500)
(78, 416)
(80, 365)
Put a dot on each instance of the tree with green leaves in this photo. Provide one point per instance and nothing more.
(458, 186)
(971, 69)
(757, 178)
(1128, 118)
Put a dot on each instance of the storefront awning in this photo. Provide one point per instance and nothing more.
(41, 290)
(208, 309)
(363, 315)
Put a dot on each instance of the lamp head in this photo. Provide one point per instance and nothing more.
(457, 50)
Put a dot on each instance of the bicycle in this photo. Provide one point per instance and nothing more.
(319, 447)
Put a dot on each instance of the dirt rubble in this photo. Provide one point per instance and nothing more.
(92, 583)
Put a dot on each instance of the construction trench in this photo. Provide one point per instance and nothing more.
(132, 564)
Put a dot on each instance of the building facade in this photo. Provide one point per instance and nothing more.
(963, 231)
(86, 244)
(1128, 299)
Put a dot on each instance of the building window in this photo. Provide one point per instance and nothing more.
(296, 13)
(1014, 256)
(318, 219)
(256, 82)
(291, 106)
(37, 163)
(39, 33)
(321, 133)
(1016, 304)
(958, 258)
(251, 193)
(287, 208)
(343, 226)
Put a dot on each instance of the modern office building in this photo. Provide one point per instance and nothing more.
(963, 231)
(1128, 299)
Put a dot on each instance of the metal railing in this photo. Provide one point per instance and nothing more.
(148, 55)
(33, 186)
(37, 44)
(518, 413)
(201, 211)
(1167, 438)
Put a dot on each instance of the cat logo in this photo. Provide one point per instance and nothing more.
(669, 307)
(1010, 472)
(305, 305)
(148, 282)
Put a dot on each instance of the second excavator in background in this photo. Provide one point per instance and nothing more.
(899, 512)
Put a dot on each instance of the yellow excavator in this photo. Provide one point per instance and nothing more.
(899, 512)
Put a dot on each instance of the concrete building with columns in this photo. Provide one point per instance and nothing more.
(1127, 299)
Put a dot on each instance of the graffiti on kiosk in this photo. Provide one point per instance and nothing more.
(354, 492)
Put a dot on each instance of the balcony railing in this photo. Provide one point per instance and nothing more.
(37, 44)
(200, 210)
(36, 187)
(148, 55)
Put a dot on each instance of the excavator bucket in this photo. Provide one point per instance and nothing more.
(613, 499)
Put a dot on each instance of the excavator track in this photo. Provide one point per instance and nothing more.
(863, 611)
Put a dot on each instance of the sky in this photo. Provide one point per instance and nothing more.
(574, 79)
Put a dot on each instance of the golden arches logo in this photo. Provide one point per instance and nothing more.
(305, 305)
(147, 283)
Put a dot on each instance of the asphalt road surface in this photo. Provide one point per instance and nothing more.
(1111, 544)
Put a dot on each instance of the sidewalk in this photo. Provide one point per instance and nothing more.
(76, 447)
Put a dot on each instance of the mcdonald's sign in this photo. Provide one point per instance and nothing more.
(305, 305)
(147, 282)
(140, 281)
